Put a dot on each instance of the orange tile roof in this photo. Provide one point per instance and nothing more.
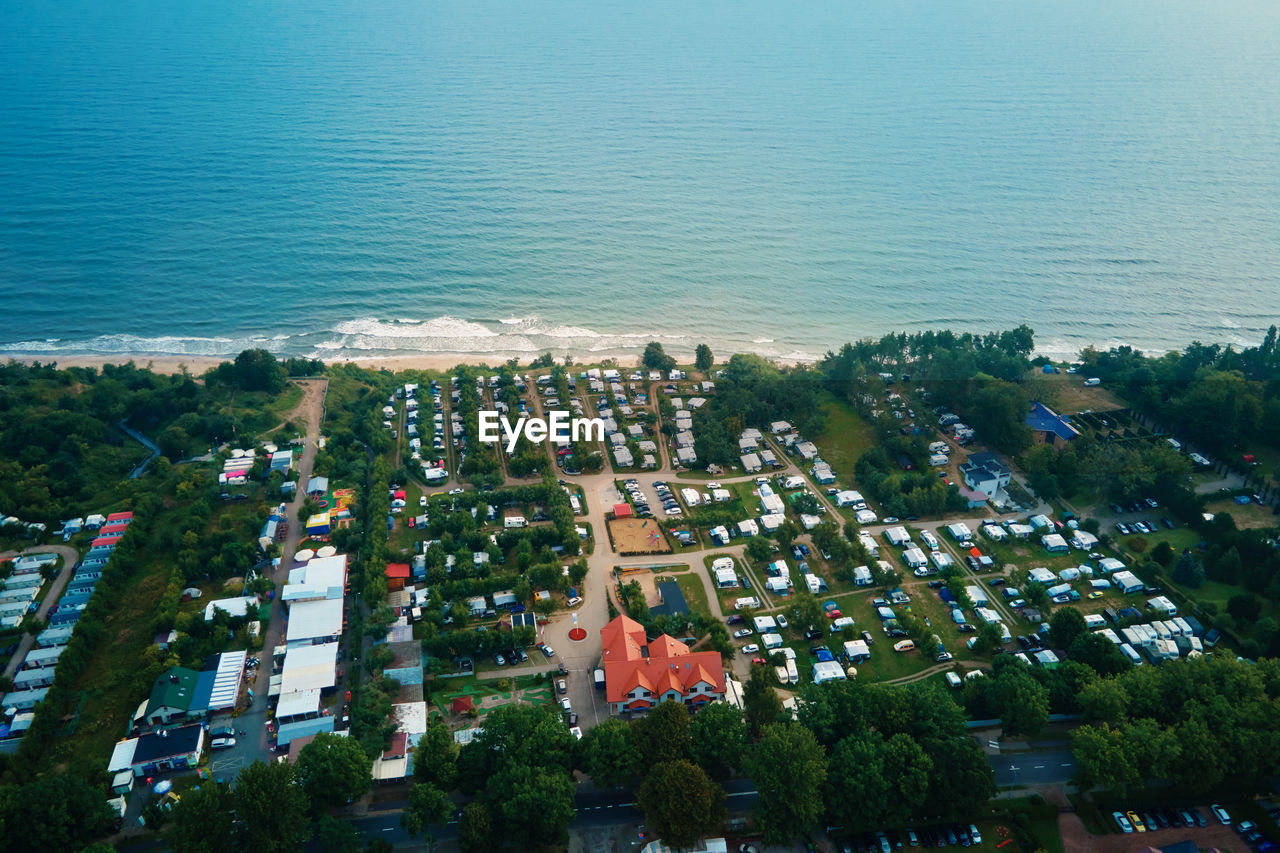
(659, 667)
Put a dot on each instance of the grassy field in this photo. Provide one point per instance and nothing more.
(694, 592)
(1067, 394)
(846, 437)
(1249, 515)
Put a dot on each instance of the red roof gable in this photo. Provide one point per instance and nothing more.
(622, 510)
(398, 570)
(119, 516)
(399, 746)
(660, 666)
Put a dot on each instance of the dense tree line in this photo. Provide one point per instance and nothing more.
(979, 377)
(751, 392)
(1217, 397)
(1194, 723)
(62, 452)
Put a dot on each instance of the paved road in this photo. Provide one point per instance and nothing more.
(145, 442)
(1047, 767)
(70, 556)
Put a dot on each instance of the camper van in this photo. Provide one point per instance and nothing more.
(514, 521)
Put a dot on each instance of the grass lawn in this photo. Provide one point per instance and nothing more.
(1249, 515)
(728, 597)
(115, 678)
(846, 437)
(694, 593)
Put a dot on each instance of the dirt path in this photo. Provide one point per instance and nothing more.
(312, 396)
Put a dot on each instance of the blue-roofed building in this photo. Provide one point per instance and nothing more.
(302, 728)
(1049, 427)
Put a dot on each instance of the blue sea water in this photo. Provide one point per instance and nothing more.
(386, 177)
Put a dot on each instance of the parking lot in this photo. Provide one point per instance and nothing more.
(658, 498)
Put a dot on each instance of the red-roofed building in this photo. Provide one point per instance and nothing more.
(622, 510)
(126, 517)
(639, 674)
(397, 575)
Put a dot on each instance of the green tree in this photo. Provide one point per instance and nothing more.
(1103, 759)
(436, 758)
(681, 803)
(758, 549)
(428, 807)
(55, 812)
(1104, 700)
(1099, 653)
(806, 611)
(719, 739)
(609, 754)
(273, 807)
(761, 705)
(790, 771)
(476, 833)
(663, 734)
(989, 638)
(1188, 571)
(1065, 626)
(998, 411)
(656, 358)
(333, 770)
(1020, 700)
(536, 802)
(337, 836)
(702, 358)
(258, 370)
(202, 821)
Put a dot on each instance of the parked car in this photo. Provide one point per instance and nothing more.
(742, 632)
(499, 659)
(1221, 814)
(1138, 825)
(750, 649)
(562, 687)
(1123, 822)
(222, 743)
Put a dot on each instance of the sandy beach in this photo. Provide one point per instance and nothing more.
(198, 365)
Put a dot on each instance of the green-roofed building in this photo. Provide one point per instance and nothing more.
(179, 696)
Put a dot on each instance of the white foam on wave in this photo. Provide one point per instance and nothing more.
(137, 345)
(433, 327)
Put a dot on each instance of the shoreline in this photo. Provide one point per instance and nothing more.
(197, 365)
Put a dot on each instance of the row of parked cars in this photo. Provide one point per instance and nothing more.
(951, 835)
(1141, 526)
(1151, 820)
(517, 656)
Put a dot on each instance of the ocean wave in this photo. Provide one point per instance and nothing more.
(136, 345)
(435, 327)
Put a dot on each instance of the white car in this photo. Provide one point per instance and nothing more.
(750, 649)
(742, 632)
(456, 491)
(566, 704)
(222, 743)
(782, 621)
(576, 732)
(422, 500)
